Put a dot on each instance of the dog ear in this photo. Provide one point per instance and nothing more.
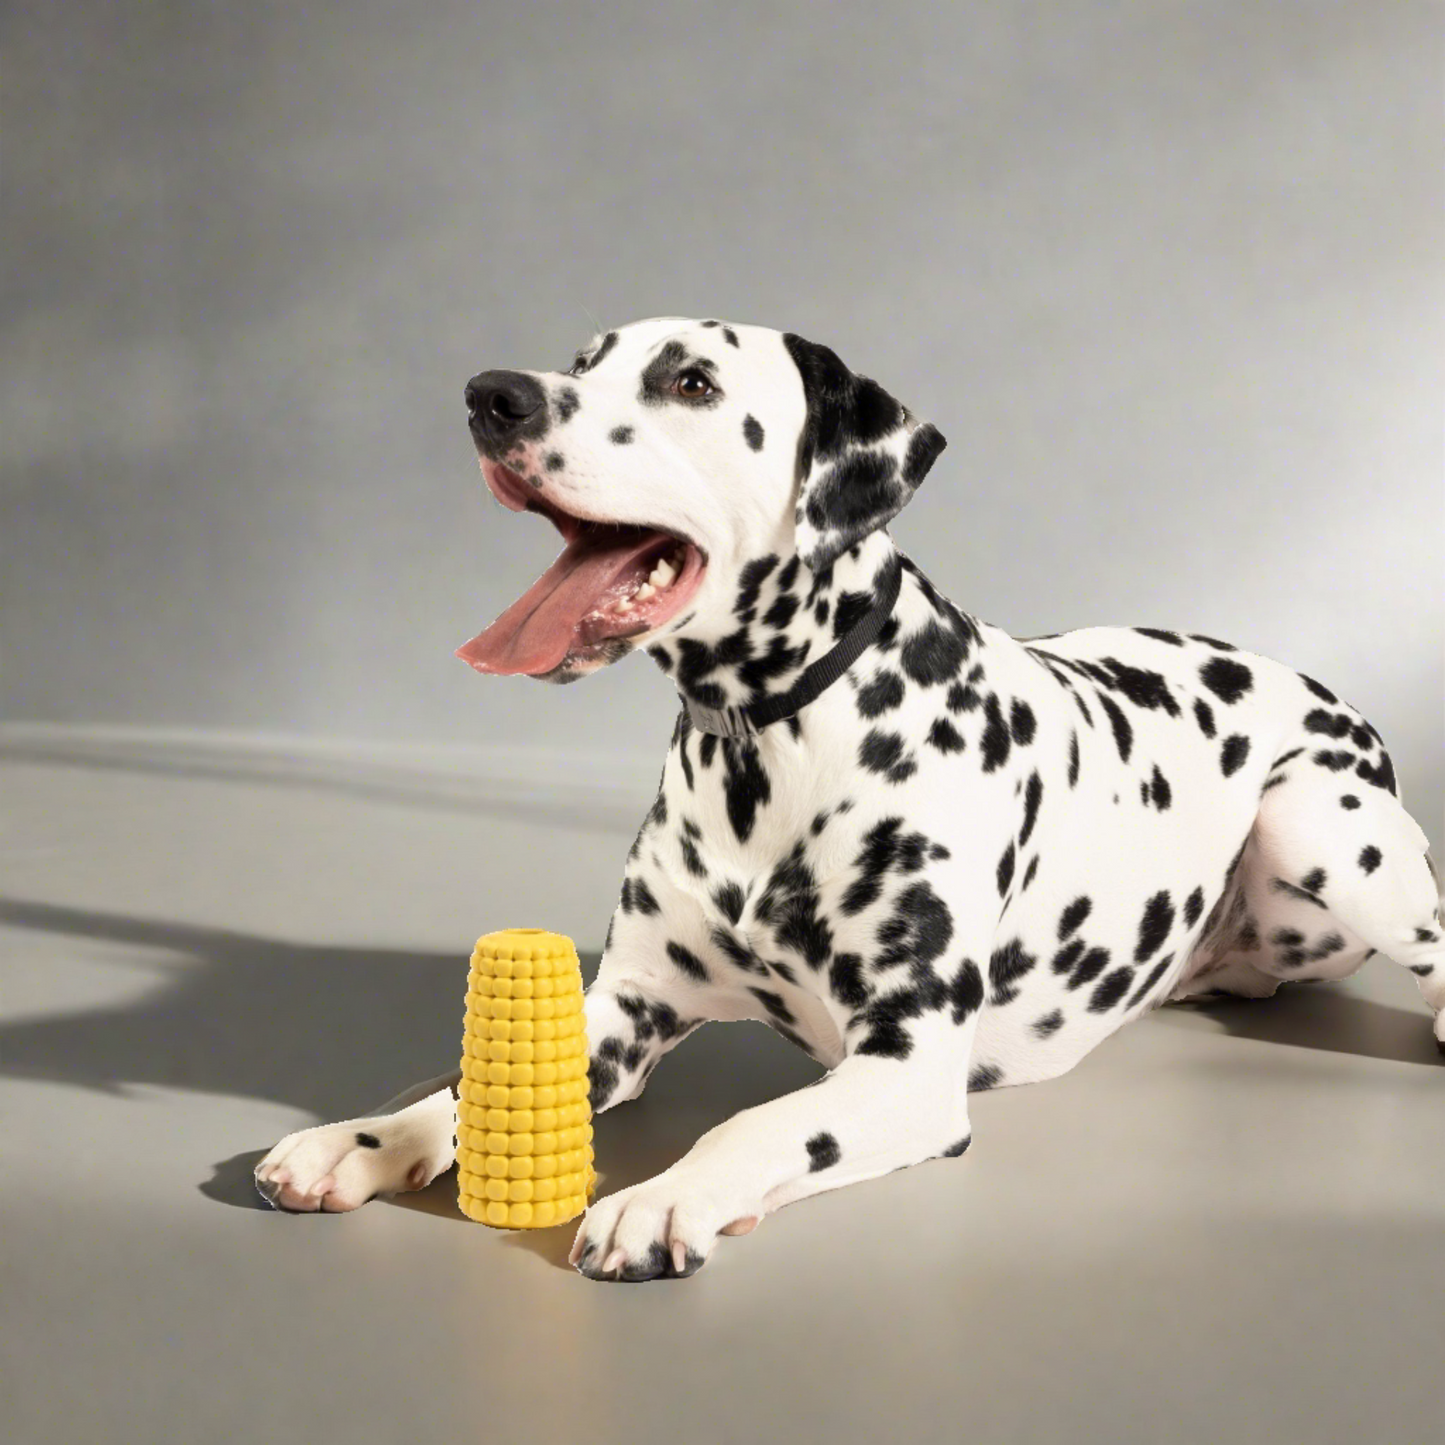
(861, 454)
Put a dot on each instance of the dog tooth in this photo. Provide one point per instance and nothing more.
(645, 591)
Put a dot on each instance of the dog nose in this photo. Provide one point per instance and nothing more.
(499, 403)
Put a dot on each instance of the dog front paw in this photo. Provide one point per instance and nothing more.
(334, 1168)
(662, 1229)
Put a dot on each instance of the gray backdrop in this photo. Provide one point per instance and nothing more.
(1167, 275)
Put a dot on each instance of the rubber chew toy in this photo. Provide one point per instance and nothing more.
(524, 1123)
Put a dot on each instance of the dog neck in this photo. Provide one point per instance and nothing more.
(783, 618)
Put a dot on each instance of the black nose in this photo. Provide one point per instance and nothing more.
(501, 403)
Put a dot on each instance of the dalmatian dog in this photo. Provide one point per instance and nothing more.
(937, 858)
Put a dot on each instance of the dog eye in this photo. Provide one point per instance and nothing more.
(579, 365)
(693, 385)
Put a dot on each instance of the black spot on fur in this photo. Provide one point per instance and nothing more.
(1319, 689)
(1204, 716)
(1154, 926)
(729, 900)
(823, 1152)
(1073, 759)
(620, 435)
(880, 694)
(1313, 881)
(1159, 790)
(845, 980)
(1004, 873)
(1123, 732)
(945, 737)
(1193, 907)
(984, 1077)
(996, 738)
(1349, 802)
(1370, 858)
(1159, 634)
(1227, 679)
(1112, 987)
(1022, 724)
(1155, 974)
(368, 1141)
(1033, 796)
(567, 403)
(884, 753)
(1233, 754)
(745, 783)
(954, 1151)
(1088, 968)
(753, 432)
(1074, 915)
(1005, 967)
(1049, 1024)
(965, 992)
(687, 961)
(933, 654)
(1382, 776)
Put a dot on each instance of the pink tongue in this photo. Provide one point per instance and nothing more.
(543, 625)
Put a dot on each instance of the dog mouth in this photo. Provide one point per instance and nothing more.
(612, 582)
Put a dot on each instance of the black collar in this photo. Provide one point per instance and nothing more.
(749, 719)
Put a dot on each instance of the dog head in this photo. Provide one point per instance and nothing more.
(670, 456)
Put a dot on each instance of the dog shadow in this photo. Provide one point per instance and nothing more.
(336, 1031)
(1316, 1015)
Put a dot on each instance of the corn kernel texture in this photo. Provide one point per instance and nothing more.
(524, 1125)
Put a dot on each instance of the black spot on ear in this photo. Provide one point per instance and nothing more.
(984, 1077)
(753, 432)
(1227, 679)
(368, 1141)
(923, 448)
(1233, 754)
(1160, 634)
(823, 1152)
(620, 435)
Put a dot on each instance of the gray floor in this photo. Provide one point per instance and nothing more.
(1228, 1225)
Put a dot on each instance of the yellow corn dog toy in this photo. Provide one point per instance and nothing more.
(524, 1123)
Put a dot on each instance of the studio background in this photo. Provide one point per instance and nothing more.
(1167, 276)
